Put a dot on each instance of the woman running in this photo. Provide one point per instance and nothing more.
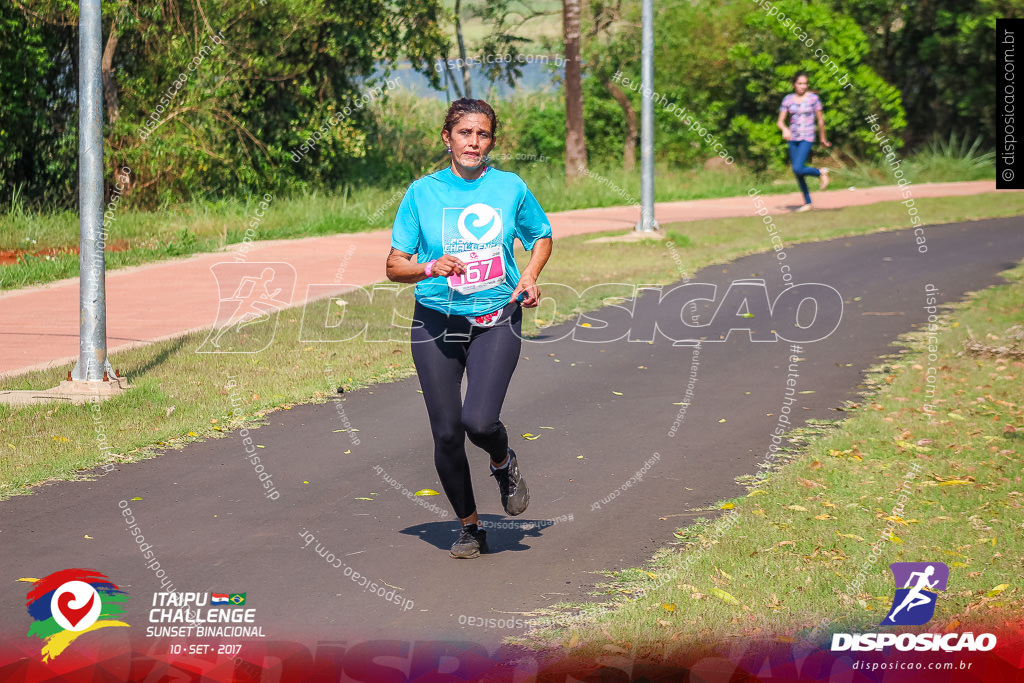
(803, 108)
(461, 223)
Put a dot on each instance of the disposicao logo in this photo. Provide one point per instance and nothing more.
(68, 603)
(913, 604)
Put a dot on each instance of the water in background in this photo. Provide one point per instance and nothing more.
(536, 78)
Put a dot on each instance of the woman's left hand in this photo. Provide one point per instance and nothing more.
(528, 284)
(826, 143)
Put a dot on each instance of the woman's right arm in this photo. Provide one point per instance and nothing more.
(400, 267)
(781, 123)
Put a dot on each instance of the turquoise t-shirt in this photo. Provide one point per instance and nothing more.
(444, 214)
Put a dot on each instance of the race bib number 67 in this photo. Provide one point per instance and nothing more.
(484, 269)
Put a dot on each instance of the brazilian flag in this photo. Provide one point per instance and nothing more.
(237, 598)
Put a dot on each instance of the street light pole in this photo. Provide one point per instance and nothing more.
(647, 222)
(92, 345)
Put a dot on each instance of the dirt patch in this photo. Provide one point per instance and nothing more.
(8, 257)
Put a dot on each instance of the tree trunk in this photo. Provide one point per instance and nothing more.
(575, 143)
(107, 73)
(632, 126)
(466, 87)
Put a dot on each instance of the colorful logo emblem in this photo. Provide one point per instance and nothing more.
(914, 601)
(68, 603)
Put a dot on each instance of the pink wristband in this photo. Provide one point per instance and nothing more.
(428, 270)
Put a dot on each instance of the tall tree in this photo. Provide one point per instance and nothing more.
(575, 142)
(467, 85)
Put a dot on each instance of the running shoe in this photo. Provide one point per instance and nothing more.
(471, 543)
(805, 207)
(823, 179)
(515, 496)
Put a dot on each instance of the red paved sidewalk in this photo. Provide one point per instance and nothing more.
(164, 300)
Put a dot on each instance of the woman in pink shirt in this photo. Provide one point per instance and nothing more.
(804, 109)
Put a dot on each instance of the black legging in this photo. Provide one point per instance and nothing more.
(443, 348)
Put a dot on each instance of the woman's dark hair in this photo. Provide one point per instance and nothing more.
(798, 75)
(460, 108)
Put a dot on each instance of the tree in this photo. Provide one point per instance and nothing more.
(210, 98)
(575, 141)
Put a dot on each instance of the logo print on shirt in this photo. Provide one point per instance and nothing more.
(484, 214)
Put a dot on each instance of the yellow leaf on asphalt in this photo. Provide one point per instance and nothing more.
(669, 606)
(585, 325)
(531, 437)
(427, 492)
(364, 498)
(728, 506)
(617, 393)
(136, 498)
(259, 446)
(997, 590)
(349, 451)
(88, 536)
(721, 421)
(722, 595)
(545, 427)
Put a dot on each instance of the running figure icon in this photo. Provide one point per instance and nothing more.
(915, 598)
(252, 303)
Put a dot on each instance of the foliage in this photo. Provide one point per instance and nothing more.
(230, 90)
(940, 54)
(725, 67)
(38, 121)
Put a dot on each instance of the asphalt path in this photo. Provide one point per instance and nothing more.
(602, 411)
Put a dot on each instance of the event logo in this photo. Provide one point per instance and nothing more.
(68, 603)
(914, 603)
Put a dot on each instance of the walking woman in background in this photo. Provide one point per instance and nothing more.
(804, 110)
(461, 223)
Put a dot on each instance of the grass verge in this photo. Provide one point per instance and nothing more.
(137, 237)
(911, 476)
(181, 396)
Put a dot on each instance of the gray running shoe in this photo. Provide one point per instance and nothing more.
(471, 543)
(515, 496)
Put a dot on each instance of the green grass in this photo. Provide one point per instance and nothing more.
(138, 237)
(779, 562)
(39, 443)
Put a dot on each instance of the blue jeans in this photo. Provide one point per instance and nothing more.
(799, 150)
